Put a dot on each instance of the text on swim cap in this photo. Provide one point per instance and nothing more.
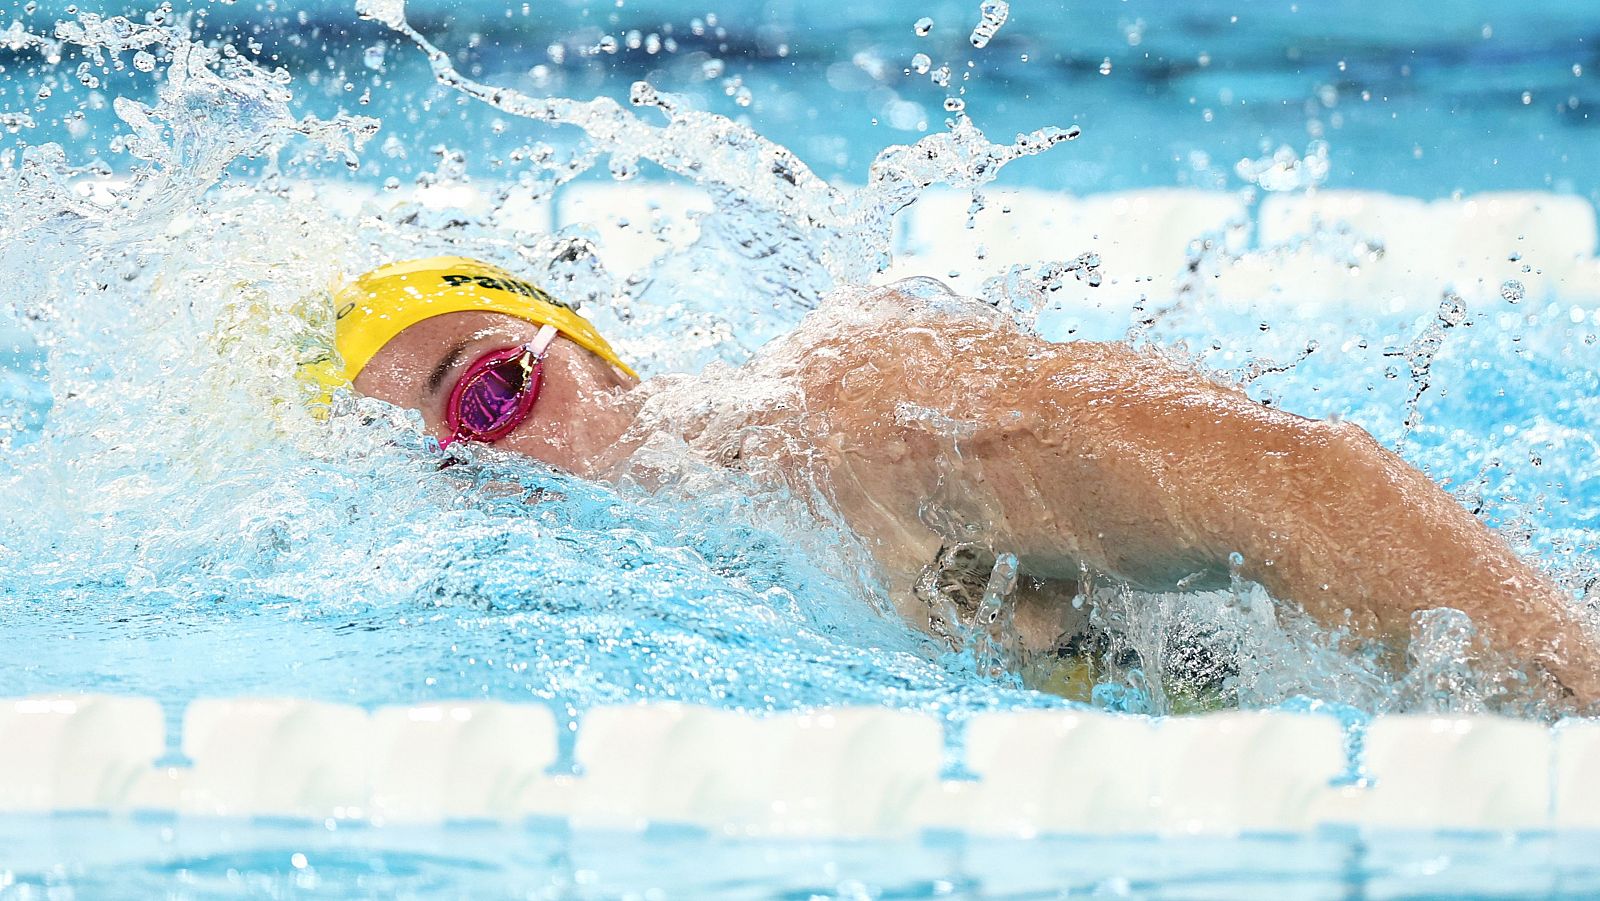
(512, 285)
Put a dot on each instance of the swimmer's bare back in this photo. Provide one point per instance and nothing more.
(930, 429)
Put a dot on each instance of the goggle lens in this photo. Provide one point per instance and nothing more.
(495, 396)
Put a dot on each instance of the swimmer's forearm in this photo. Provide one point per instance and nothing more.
(1322, 516)
(1372, 538)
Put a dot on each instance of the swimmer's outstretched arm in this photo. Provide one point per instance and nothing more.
(1098, 456)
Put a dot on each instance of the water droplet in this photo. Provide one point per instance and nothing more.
(1512, 290)
(742, 95)
(921, 63)
(712, 68)
(941, 76)
(373, 57)
(954, 104)
(992, 15)
(391, 184)
(1577, 70)
(389, 12)
(1452, 312)
(1527, 97)
(1105, 66)
(925, 25)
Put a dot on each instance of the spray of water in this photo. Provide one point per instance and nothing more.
(166, 496)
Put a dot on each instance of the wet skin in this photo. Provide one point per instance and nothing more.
(927, 431)
(583, 407)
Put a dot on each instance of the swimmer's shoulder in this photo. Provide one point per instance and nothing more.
(910, 302)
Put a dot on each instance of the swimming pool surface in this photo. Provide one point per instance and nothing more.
(170, 530)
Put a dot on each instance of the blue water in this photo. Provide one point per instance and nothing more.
(1422, 100)
(164, 533)
(176, 858)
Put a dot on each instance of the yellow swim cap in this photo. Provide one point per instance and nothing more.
(386, 301)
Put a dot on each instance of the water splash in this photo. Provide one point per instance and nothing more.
(992, 15)
(796, 236)
(212, 108)
(164, 499)
(1420, 352)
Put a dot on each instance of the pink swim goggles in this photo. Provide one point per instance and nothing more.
(497, 392)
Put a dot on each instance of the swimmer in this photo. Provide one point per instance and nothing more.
(943, 436)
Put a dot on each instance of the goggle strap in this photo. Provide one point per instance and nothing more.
(541, 342)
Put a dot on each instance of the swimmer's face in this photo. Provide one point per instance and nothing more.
(581, 408)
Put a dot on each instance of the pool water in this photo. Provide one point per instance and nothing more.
(280, 860)
(172, 526)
